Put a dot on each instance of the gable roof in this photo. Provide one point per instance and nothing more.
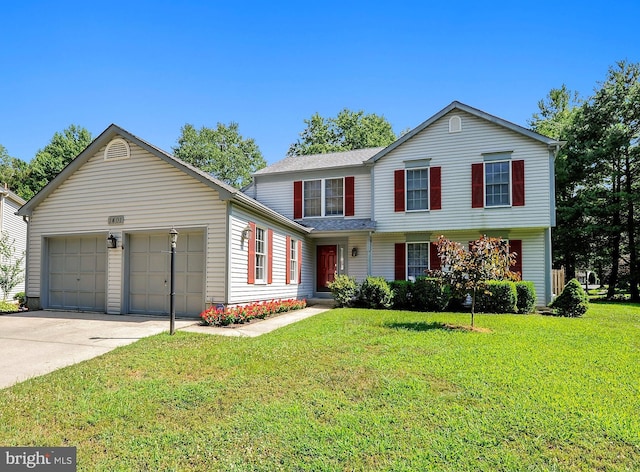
(329, 160)
(11, 196)
(455, 105)
(226, 191)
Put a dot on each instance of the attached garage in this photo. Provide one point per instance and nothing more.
(149, 273)
(76, 273)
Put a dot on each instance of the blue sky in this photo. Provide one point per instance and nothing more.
(152, 66)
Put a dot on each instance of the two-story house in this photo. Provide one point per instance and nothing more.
(98, 236)
(462, 173)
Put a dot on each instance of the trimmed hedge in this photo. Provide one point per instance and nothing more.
(526, 291)
(375, 292)
(402, 291)
(344, 290)
(499, 296)
(430, 294)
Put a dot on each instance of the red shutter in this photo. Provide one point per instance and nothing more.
(515, 245)
(398, 181)
(288, 263)
(435, 190)
(477, 185)
(297, 199)
(434, 259)
(269, 256)
(299, 261)
(400, 262)
(251, 261)
(349, 196)
(517, 183)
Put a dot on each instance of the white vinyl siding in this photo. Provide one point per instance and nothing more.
(16, 228)
(276, 191)
(455, 153)
(533, 251)
(150, 193)
(240, 291)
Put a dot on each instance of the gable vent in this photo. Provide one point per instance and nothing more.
(117, 149)
(455, 124)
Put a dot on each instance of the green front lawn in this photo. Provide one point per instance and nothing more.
(352, 389)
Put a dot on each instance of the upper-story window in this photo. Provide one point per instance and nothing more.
(323, 197)
(417, 189)
(497, 183)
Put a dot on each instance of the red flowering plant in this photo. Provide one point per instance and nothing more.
(223, 316)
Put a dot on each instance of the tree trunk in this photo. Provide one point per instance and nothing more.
(473, 305)
(615, 239)
(631, 229)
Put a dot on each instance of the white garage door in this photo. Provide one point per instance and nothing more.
(77, 273)
(149, 273)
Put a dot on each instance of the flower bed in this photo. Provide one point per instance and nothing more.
(242, 313)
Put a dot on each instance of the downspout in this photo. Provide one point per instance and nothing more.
(369, 254)
(27, 220)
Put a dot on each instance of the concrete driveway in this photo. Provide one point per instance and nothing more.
(38, 342)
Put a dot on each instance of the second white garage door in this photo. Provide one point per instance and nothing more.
(149, 273)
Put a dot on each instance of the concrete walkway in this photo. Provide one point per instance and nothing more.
(38, 342)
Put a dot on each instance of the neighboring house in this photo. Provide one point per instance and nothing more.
(16, 229)
(461, 173)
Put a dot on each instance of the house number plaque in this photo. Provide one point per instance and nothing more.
(116, 220)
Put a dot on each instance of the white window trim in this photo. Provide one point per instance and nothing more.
(406, 252)
(323, 198)
(484, 183)
(406, 189)
(261, 281)
(293, 257)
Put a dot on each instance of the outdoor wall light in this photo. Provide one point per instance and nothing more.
(112, 241)
(246, 233)
(354, 252)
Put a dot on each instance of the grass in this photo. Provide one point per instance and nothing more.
(352, 389)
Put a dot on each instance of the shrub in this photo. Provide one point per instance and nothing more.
(21, 297)
(430, 294)
(344, 290)
(402, 290)
(526, 296)
(8, 307)
(498, 296)
(573, 300)
(375, 292)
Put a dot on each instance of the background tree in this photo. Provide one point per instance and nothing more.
(486, 259)
(50, 160)
(10, 266)
(222, 152)
(347, 131)
(13, 172)
(556, 118)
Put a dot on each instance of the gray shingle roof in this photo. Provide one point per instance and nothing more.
(321, 161)
(338, 224)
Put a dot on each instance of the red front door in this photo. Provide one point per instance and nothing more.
(327, 260)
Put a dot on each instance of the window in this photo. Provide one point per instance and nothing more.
(313, 198)
(260, 254)
(333, 197)
(417, 259)
(497, 176)
(417, 189)
(323, 197)
(293, 260)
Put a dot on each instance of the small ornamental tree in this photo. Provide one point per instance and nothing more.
(10, 265)
(486, 259)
